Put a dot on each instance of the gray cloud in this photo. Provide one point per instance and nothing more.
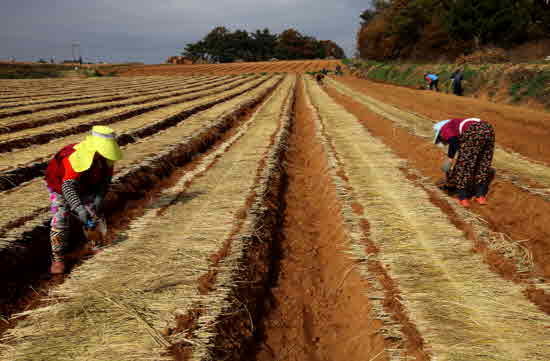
(150, 31)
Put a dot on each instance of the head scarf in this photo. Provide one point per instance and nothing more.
(437, 129)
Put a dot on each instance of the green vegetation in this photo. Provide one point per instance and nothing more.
(532, 84)
(31, 71)
(224, 46)
(431, 29)
(524, 82)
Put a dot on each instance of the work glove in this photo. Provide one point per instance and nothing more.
(83, 215)
(446, 166)
(98, 204)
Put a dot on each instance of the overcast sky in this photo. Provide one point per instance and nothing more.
(150, 31)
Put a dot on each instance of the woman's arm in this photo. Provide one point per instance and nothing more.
(454, 145)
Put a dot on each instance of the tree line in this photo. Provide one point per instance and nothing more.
(393, 29)
(225, 46)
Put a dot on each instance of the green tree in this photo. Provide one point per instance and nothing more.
(196, 51)
(264, 43)
(489, 21)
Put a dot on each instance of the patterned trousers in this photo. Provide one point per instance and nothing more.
(472, 171)
(60, 224)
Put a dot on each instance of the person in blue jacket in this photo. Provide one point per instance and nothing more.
(433, 81)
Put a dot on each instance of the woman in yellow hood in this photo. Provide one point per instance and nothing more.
(78, 178)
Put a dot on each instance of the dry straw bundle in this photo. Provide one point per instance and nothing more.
(138, 118)
(461, 308)
(185, 137)
(106, 87)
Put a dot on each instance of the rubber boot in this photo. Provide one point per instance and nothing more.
(57, 268)
(463, 198)
(481, 193)
(464, 202)
(481, 200)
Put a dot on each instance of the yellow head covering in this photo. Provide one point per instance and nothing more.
(103, 141)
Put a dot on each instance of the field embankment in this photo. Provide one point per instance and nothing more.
(517, 84)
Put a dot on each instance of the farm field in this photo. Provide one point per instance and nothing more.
(258, 215)
(284, 66)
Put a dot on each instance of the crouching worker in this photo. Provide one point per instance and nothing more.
(78, 178)
(474, 141)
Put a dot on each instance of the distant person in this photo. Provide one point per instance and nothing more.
(339, 70)
(474, 141)
(319, 77)
(456, 82)
(433, 81)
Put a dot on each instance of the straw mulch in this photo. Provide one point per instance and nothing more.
(462, 309)
(31, 199)
(116, 305)
(98, 95)
(23, 126)
(274, 115)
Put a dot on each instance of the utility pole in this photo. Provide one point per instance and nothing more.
(75, 50)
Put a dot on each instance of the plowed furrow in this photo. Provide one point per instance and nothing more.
(105, 95)
(48, 117)
(516, 253)
(28, 200)
(523, 234)
(44, 134)
(462, 309)
(54, 87)
(319, 306)
(176, 238)
(24, 165)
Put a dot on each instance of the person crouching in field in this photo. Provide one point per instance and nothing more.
(474, 141)
(78, 178)
(432, 80)
(319, 77)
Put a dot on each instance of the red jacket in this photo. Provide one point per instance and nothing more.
(60, 169)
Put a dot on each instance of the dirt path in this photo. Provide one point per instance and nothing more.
(462, 309)
(319, 304)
